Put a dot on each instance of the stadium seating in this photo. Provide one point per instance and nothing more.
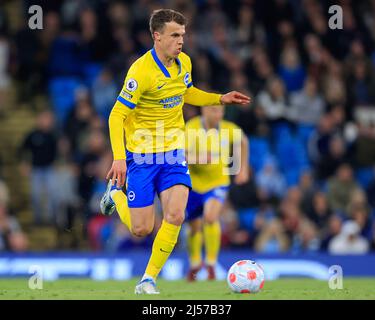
(62, 92)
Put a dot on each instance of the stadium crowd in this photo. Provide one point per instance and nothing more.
(311, 124)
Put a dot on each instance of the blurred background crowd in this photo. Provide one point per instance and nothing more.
(311, 125)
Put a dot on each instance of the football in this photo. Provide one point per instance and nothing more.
(245, 276)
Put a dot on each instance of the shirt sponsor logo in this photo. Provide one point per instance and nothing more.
(171, 102)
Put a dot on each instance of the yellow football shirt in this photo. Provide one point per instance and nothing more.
(149, 106)
(217, 143)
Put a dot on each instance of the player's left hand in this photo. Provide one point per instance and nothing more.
(235, 97)
(242, 177)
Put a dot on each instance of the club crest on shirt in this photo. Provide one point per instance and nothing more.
(186, 78)
(131, 85)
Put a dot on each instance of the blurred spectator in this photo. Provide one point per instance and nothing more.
(11, 236)
(306, 239)
(349, 240)
(291, 70)
(315, 55)
(364, 145)
(358, 199)
(248, 31)
(340, 188)
(65, 57)
(360, 215)
(260, 69)
(245, 195)
(307, 188)
(361, 83)
(319, 212)
(272, 238)
(291, 217)
(328, 164)
(95, 45)
(4, 72)
(270, 181)
(65, 191)
(95, 148)
(333, 84)
(27, 69)
(4, 60)
(274, 100)
(39, 151)
(371, 192)
(77, 125)
(307, 106)
(319, 140)
(331, 230)
(253, 121)
(103, 90)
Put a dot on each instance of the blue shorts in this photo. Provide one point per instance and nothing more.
(154, 172)
(197, 200)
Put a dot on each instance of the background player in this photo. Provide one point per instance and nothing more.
(149, 109)
(210, 182)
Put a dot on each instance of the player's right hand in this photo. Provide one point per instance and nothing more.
(118, 172)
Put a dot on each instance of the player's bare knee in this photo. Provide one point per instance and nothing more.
(141, 231)
(210, 219)
(175, 217)
(194, 229)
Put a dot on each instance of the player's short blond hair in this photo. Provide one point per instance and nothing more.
(160, 17)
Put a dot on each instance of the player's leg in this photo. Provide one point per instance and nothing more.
(115, 198)
(194, 213)
(173, 201)
(194, 244)
(212, 230)
(172, 184)
(121, 202)
(140, 192)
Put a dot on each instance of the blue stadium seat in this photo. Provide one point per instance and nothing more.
(364, 176)
(292, 177)
(304, 131)
(62, 93)
(259, 152)
(247, 218)
(65, 58)
(281, 132)
(91, 71)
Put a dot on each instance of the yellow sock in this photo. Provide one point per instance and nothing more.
(212, 235)
(194, 242)
(162, 247)
(121, 202)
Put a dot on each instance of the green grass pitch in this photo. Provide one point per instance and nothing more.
(81, 289)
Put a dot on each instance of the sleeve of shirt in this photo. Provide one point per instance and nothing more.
(196, 96)
(134, 85)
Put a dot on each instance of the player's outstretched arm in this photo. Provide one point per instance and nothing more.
(234, 97)
(199, 98)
